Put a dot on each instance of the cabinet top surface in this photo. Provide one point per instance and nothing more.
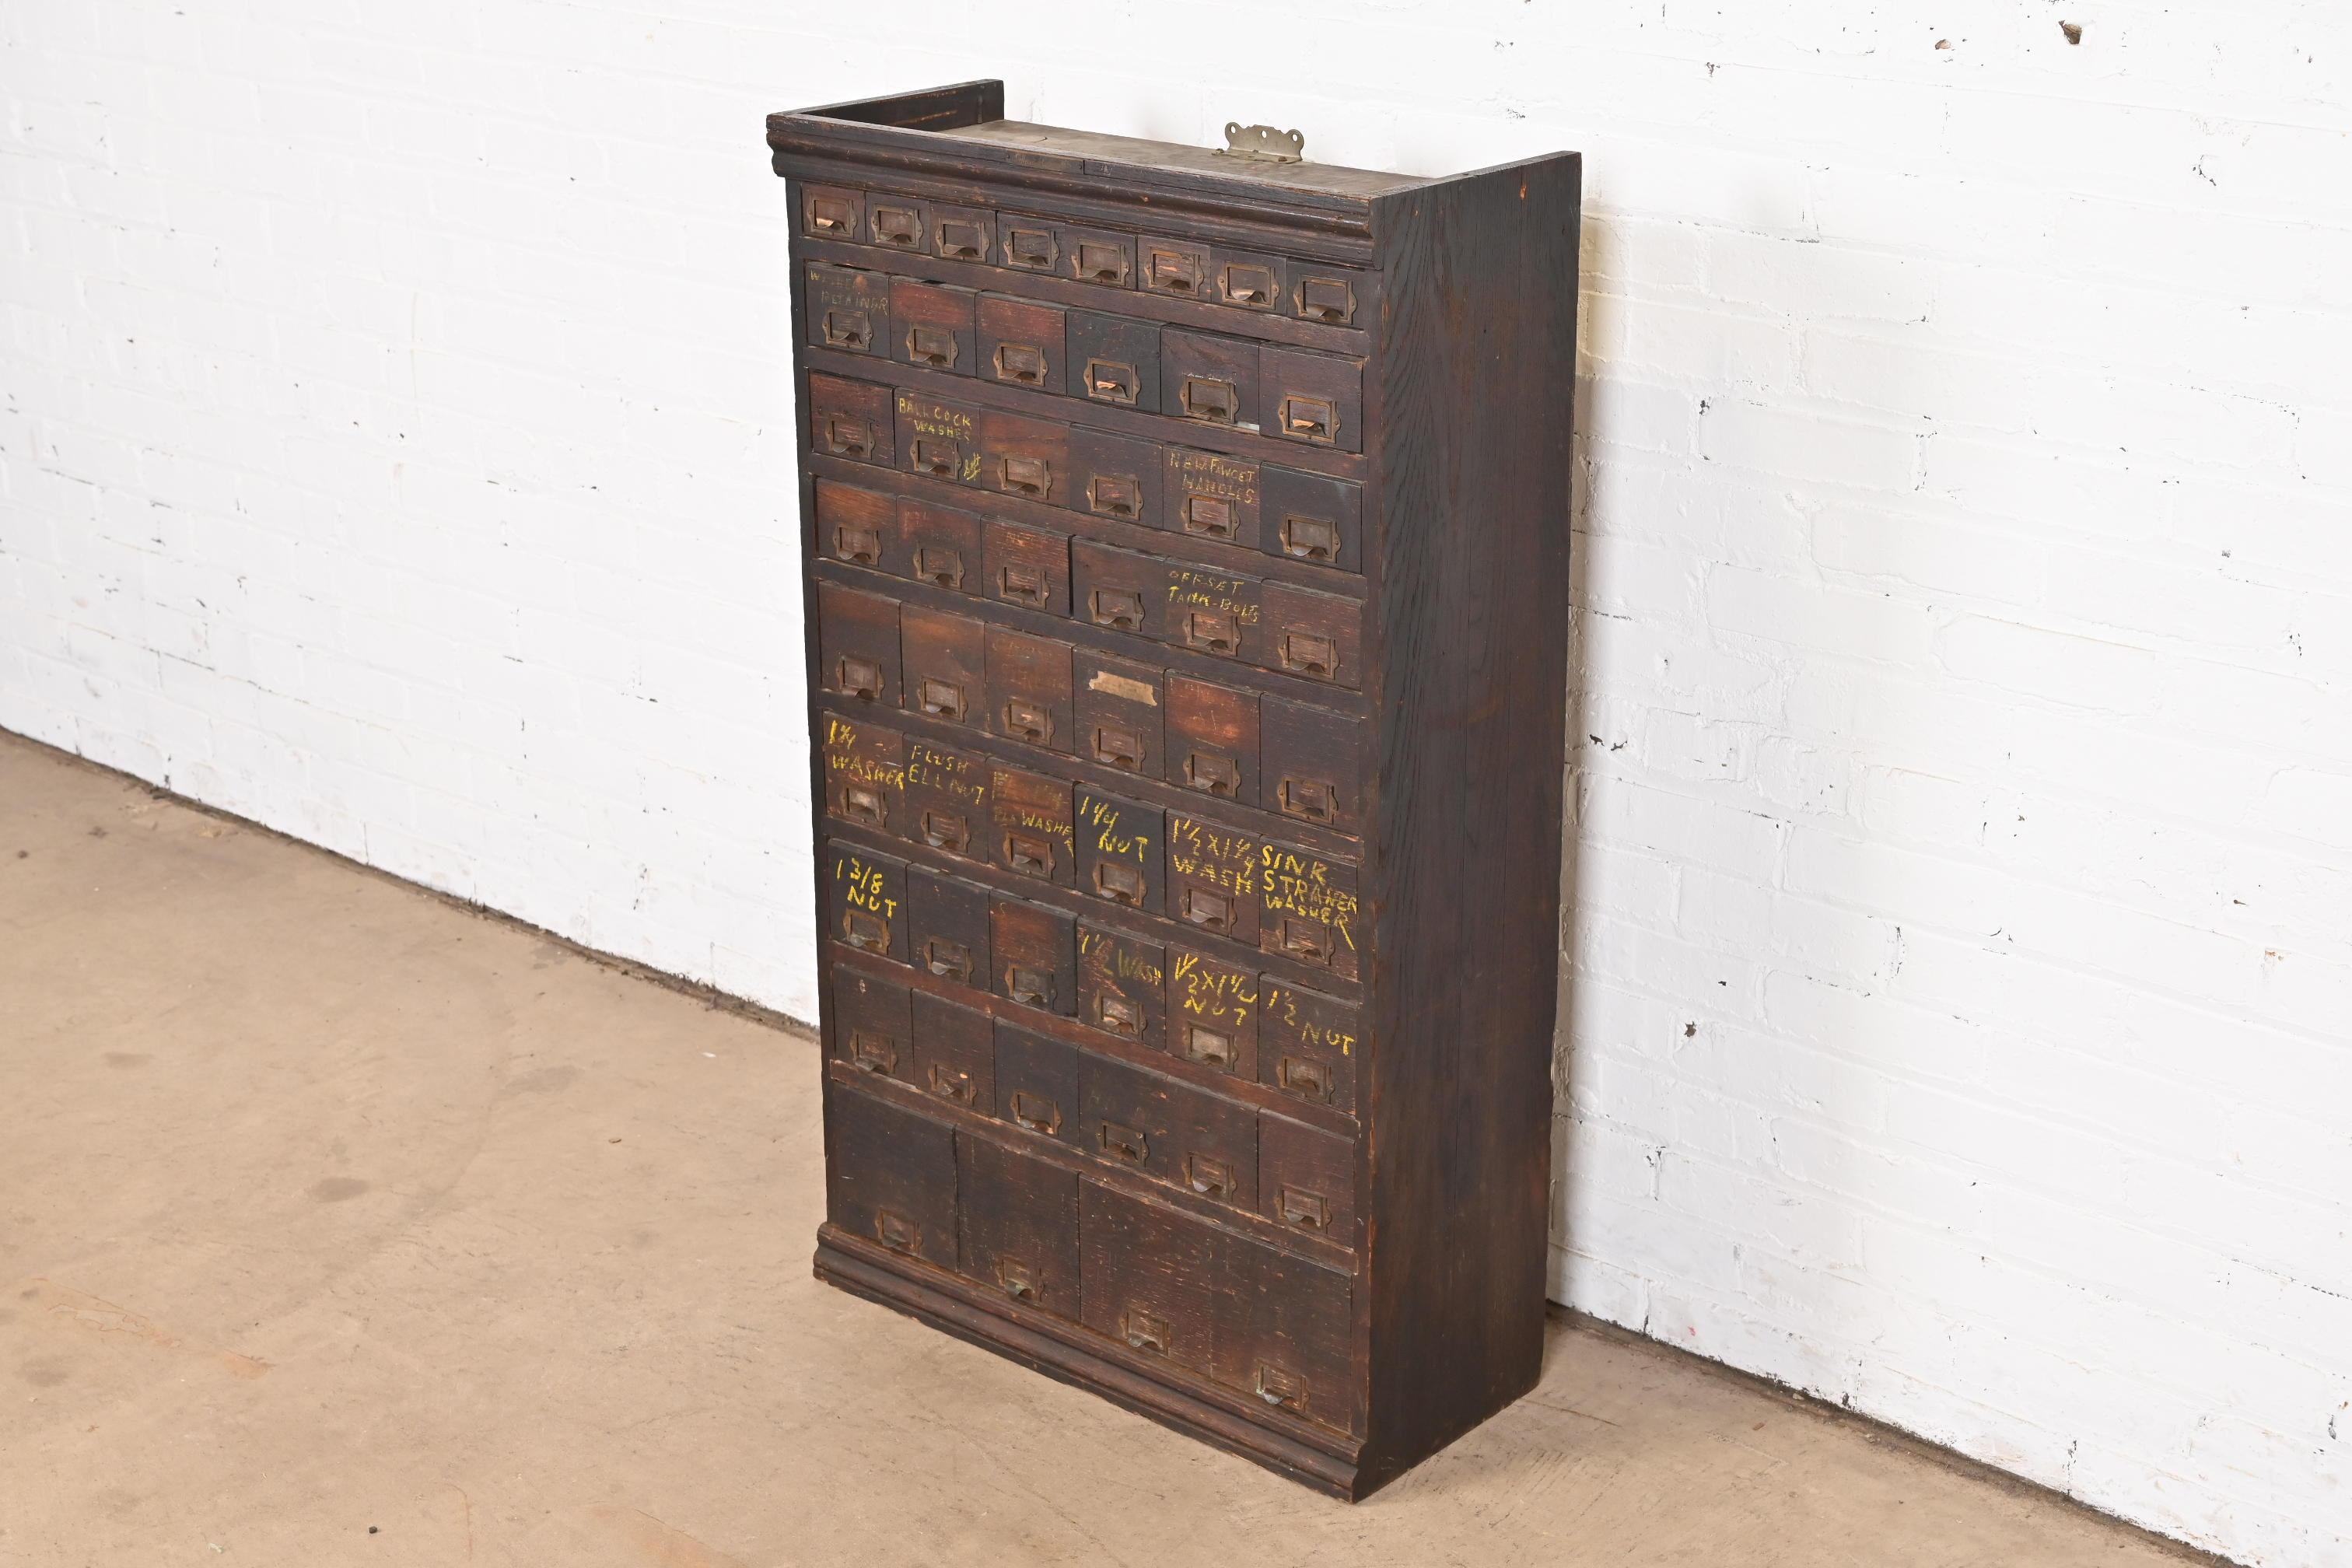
(1145, 154)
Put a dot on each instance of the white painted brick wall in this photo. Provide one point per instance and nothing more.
(396, 442)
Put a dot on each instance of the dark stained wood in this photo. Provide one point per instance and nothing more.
(1187, 546)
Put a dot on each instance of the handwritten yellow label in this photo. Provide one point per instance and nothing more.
(928, 767)
(867, 889)
(1206, 990)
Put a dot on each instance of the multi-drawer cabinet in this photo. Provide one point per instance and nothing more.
(1187, 546)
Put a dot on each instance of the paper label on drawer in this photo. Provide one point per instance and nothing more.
(1117, 685)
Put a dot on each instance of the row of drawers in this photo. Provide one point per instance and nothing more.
(1223, 1018)
(1153, 1125)
(1108, 257)
(1265, 1323)
(1290, 394)
(1208, 877)
(1300, 761)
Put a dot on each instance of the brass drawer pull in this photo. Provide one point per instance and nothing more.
(1017, 1279)
(1119, 884)
(831, 214)
(1036, 1112)
(862, 805)
(1030, 856)
(940, 698)
(938, 458)
(1145, 1330)
(897, 226)
(1101, 263)
(931, 346)
(1028, 722)
(1030, 988)
(1124, 1143)
(1310, 419)
(1209, 1175)
(1212, 631)
(859, 677)
(1327, 299)
(1118, 609)
(949, 1084)
(861, 546)
(1247, 283)
(1310, 798)
(1309, 655)
(1174, 272)
(1118, 748)
(1210, 911)
(1024, 476)
(1207, 397)
(1021, 363)
(1310, 538)
(939, 566)
(874, 1053)
(848, 437)
(941, 831)
(1024, 585)
(1118, 1014)
(948, 959)
(961, 241)
(1212, 517)
(896, 1231)
(1115, 495)
(1216, 774)
(1109, 381)
(1304, 1077)
(1279, 1384)
(1306, 941)
(1309, 1211)
(848, 330)
(1032, 248)
(863, 932)
(1210, 1047)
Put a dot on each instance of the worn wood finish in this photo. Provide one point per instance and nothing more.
(1187, 538)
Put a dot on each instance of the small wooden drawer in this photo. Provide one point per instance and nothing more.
(1122, 850)
(1098, 256)
(897, 223)
(1019, 343)
(858, 638)
(864, 773)
(1312, 517)
(1120, 709)
(947, 927)
(1307, 909)
(851, 420)
(1025, 458)
(935, 438)
(1117, 476)
(955, 1052)
(871, 1026)
(1179, 269)
(1114, 360)
(1117, 589)
(1212, 1013)
(1029, 689)
(1031, 832)
(1169, 1131)
(1211, 496)
(1312, 762)
(890, 1176)
(1026, 566)
(1212, 878)
(1314, 399)
(1213, 737)
(962, 233)
(944, 666)
(1020, 1218)
(1149, 1279)
(1215, 612)
(1335, 296)
(1249, 279)
(1027, 243)
(1122, 985)
(859, 527)
(931, 326)
(867, 897)
(848, 309)
(1308, 1046)
(832, 212)
(941, 544)
(1212, 379)
(1306, 1179)
(948, 806)
(1035, 952)
(1318, 637)
(1037, 1083)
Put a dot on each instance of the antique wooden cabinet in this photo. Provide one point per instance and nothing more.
(1187, 542)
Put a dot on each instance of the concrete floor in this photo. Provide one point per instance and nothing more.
(338, 1225)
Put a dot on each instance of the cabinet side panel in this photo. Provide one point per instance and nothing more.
(1476, 370)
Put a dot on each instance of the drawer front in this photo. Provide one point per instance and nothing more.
(947, 927)
(1287, 1338)
(864, 773)
(1316, 400)
(897, 223)
(1037, 1083)
(935, 438)
(1115, 360)
(831, 212)
(1025, 458)
(1313, 763)
(1335, 296)
(1119, 590)
(948, 806)
(943, 663)
(1122, 983)
(1116, 477)
(1211, 379)
(1249, 279)
(851, 420)
(962, 233)
(1306, 1179)
(890, 1176)
(1026, 244)
(932, 326)
(867, 894)
(1317, 636)
(1149, 1279)
(1212, 878)
(955, 1053)
(1122, 850)
(1097, 256)
(1029, 689)
(1120, 706)
(941, 546)
(1215, 612)
(1179, 269)
(859, 527)
(1308, 1046)
(848, 309)
(1210, 496)
(1212, 1013)
(1313, 517)
(1027, 566)
(1021, 343)
(1033, 832)
(857, 641)
(1020, 1224)
(1213, 739)
(871, 1028)
(1307, 911)
(1035, 954)
(1169, 1131)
